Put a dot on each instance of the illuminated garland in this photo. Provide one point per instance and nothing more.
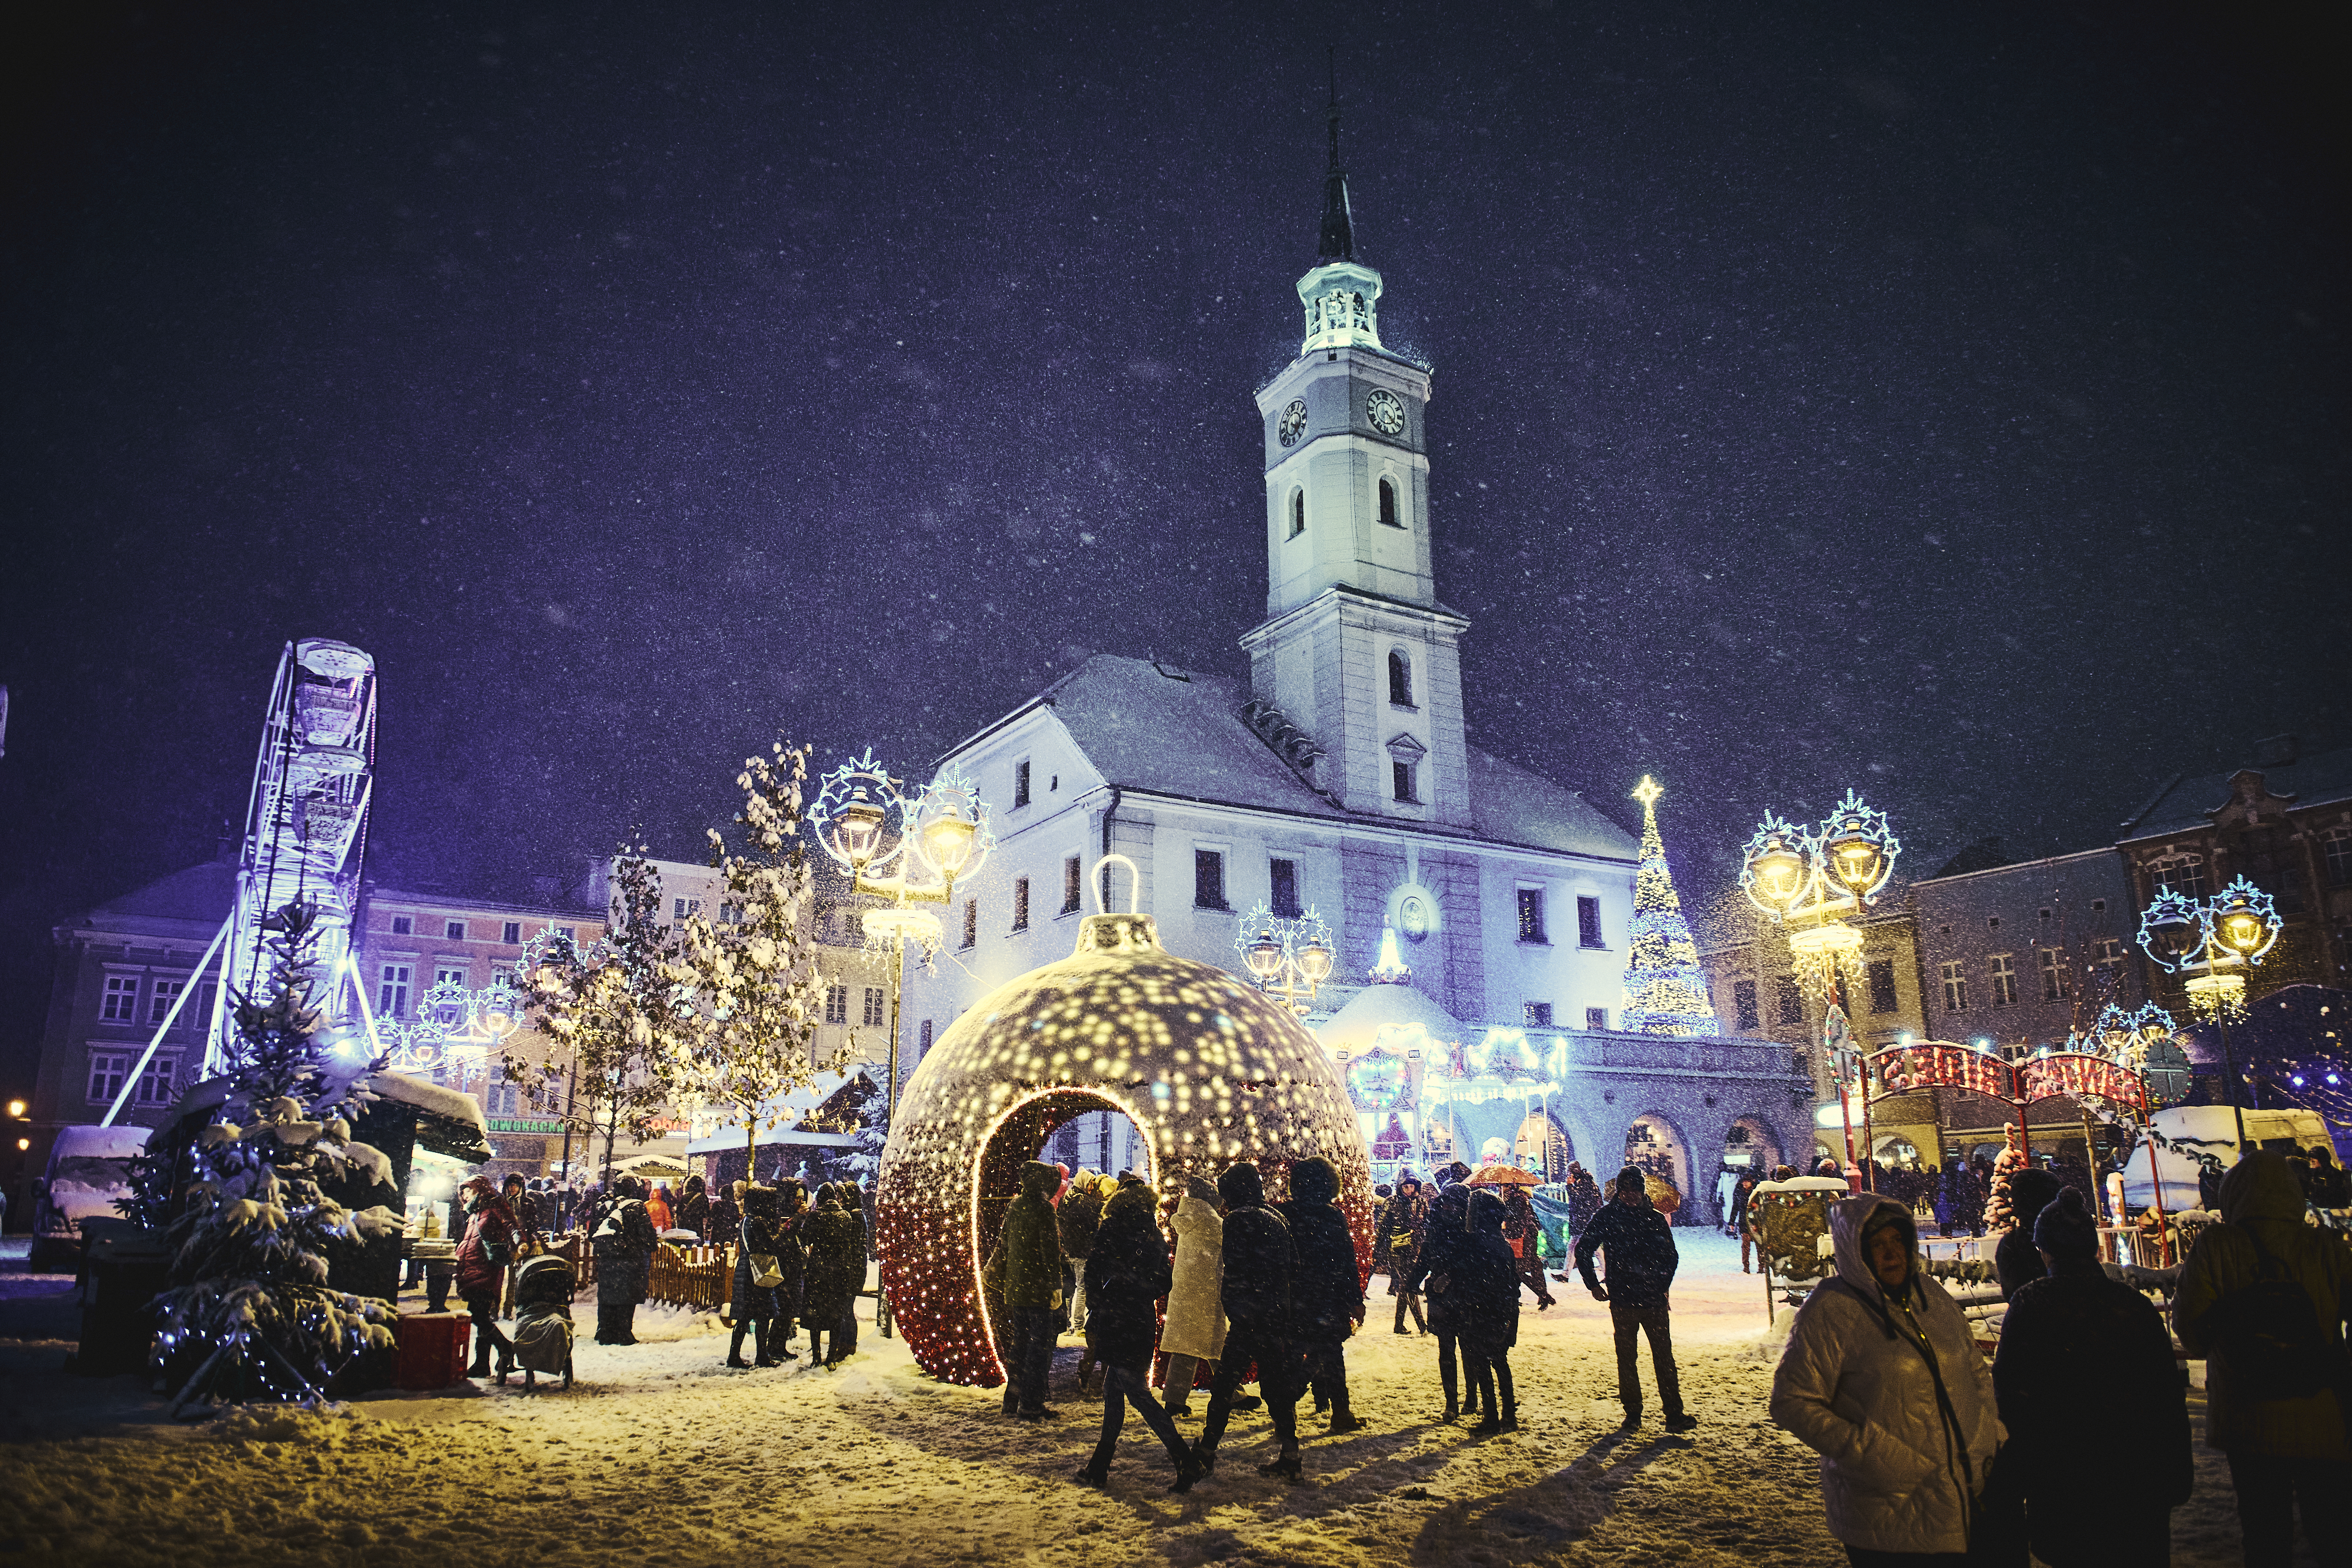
(1665, 989)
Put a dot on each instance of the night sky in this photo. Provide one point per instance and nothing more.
(1946, 402)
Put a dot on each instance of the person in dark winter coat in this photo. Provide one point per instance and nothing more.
(1404, 1222)
(1024, 1276)
(1432, 1270)
(755, 1306)
(2016, 1263)
(624, 1246)
(792, 1218)
(2327, 1186)
(1126, 1273)
(1583, 1198)
(1640, 1249)
(1487, 1283)
(726, 1215)
(834, 1272)
(1261, 1275)
(1078, 1213)
(1327, 1292)
(2098, 1428)
(693, 1208)
(482, 1258)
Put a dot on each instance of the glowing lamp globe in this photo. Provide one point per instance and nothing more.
(860, 830)
(1210, 1070)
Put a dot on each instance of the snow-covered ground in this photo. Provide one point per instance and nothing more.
(659, 1453)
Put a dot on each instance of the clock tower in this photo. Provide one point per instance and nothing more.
(1355, 650)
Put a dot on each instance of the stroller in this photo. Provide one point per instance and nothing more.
(542, 1332)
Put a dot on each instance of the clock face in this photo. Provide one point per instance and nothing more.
(1384, 411)
(1294, 423)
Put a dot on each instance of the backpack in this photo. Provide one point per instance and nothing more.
(2270, 1334)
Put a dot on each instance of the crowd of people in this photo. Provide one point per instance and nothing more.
(2071, 1445)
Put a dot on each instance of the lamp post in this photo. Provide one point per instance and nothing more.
(942, 834)
(1790, 874)
(1286, 958)
(2212, 944)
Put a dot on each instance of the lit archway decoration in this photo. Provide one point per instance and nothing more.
(1208, 1068)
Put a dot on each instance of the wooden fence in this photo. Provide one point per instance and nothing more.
(701, 1277)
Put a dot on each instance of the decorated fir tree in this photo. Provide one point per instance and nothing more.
(248, 1313)
(1998, 1212)
(1666, 992)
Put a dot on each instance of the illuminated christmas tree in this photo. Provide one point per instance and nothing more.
(1666, 992)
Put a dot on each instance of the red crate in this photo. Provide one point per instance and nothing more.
(430, 1349)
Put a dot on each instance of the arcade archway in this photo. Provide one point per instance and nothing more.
(1658, 1147)
(1543, 1146)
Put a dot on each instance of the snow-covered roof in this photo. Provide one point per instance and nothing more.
(451, 1105)
(1392, 1010)
(199, 895)
(1153, 728)
(794, 1108)
(2185, 804)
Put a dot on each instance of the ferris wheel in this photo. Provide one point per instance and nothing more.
(305, 824)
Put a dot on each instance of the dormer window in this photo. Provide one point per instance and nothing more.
(1389, 505)
(1399, 680)
(1297, 514)
(1405, 770)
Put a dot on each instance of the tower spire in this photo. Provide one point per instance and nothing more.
(1338, 237)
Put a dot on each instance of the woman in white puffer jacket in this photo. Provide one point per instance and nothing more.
(1194, 1332)
(1883, 1379)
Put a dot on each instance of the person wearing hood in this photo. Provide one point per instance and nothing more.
(791, 1208)
(1881, 1378)
(1584, 1198)
(693, 1208)
(1261, 1266)
(2015, 1260)
(1485, 1287)
(624, 1249)
(1433, 1270)
(1077, 1218)
(2092, 1399)
(754, 1307)
(1025, 1275)
(727, 1214)
(1640, 1251)
(1194, 1332)
(1127, 1272)
(483, 1256)
(2275, 1375)
(1327, 1293)
(832, 1272)
(1404, 1223)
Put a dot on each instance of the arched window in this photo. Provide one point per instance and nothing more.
(1388, 505)
(1297, 514)
(1399, 680)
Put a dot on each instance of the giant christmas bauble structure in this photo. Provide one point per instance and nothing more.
(1209, 1069)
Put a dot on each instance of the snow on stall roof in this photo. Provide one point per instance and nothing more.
(791, 1110)
(1357, 1026)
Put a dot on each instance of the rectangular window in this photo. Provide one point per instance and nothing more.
(680, 908)
(106, 1072)
(404, 925)
(1596, 1017)
(1791, 999)
(120, 1003)
(923, 1041)
(2337, 848)
(454, 930)
(510, 933)
(877, 1002)
(1283, 874)
(970, 922)
(1956, 988)
(1021, 782)
(836, 1003)
(1588, 922)
(2108, 954)
(155, 1081)
(159, 1002)
(1401, 776)
(1881, 986)
(499, 1097)
(1019, 903)
(1209, 880)
(1743, 1001)
(1536, 1015)
(1531, 915)
(2004, 979)
(569, 933)
(392, 995)
(449, 975)
(1074, 885)
(2053, 973)
(2184, 874)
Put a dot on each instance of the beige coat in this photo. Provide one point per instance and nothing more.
(1196, 1311)
(1893, 1475)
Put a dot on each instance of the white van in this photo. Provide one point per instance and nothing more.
(89, 1168)
(2212, 1129)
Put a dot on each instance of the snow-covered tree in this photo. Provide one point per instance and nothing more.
(246, 1314)
(1665, 990)
(614, 1009)
(753, 973)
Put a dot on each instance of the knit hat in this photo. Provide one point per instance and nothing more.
(1633, 1178)
(1313, 1182)
(1241, 1186)
(2066, 1228)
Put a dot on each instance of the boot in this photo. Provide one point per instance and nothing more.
(1188, 1470)
(760, 1356)
(735, 1347)
(625, 1319)
(1446, 1376)
(1344, 1420)
(1285, 1465)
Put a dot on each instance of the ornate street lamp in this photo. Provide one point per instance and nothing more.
(940, 834)
(1791, 875)
(2211, 945)
(1286, 958)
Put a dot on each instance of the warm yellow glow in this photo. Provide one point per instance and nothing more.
(950, 841)
(23, 1144)
(861, 831)
(1835, 940)
(1264, 956)
(1315, 962)
(15, 1108)
(2242, 932)
(1780, 874)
